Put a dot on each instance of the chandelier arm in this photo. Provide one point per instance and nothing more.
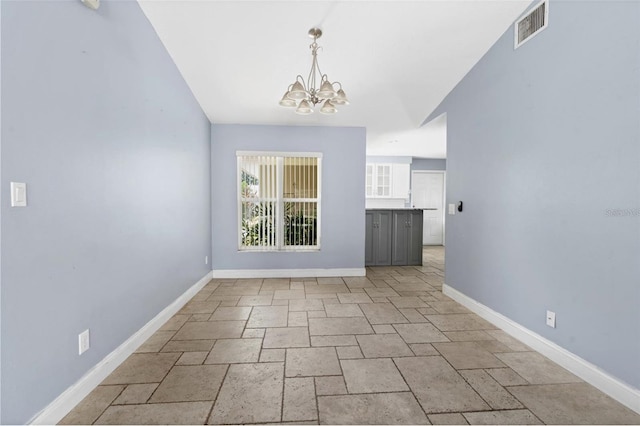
(312, 77)
(315, 68)
(318, 66)
(301, 80)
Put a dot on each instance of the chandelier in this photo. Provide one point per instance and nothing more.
(302, 94)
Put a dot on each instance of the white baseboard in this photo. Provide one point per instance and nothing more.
(588, 372)
(288, 273)
(64, 403)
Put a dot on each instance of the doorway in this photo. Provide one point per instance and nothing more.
(427, 193)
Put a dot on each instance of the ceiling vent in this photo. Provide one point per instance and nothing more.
(531, 24)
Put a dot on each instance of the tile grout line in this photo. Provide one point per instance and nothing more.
(165, 376)
(470, 385)
(210, 414)
(284, 364)
(284, 387)
(410, 390)
(400, 293)
(109, 405)
(165, 343)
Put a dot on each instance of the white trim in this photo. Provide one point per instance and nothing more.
(616, 389)
(278, 154)
(67, 400)
(319, 203)
(444, 209)
(288, 273)
(444, 198)
(239, 199)
(277, 178)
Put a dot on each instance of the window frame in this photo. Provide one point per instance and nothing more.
(280, 201)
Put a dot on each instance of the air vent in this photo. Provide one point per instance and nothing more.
(531, 24)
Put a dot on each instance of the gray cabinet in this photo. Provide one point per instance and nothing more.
(393, 237)
(407, 237)
(378, 238)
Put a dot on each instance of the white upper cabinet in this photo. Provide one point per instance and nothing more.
(383, 180)
(387, 181)
(369, 181)
(401, 178)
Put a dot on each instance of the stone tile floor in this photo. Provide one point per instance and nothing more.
(388, 348)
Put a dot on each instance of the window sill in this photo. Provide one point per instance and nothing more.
(283, 250)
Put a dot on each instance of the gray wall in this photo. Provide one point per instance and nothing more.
(415, 162)
(98, 122)
(428, 164)
(543, 142)
(343, 175)
(389, 159)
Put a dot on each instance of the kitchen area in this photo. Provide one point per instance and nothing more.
(404, 209)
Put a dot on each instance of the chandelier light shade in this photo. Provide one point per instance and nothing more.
(304, 108)
(341, 98)
(304, 95)
(286, 101)
(326, 91)
(297, 91)
(328, 108)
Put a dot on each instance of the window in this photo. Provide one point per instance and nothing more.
(279, 201)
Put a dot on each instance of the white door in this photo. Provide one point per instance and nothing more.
(427, 191)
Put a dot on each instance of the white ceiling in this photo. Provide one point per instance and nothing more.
(396, 60)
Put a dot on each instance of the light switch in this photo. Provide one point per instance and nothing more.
(18, 194)
(452, 209)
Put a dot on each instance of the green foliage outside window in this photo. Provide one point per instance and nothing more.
(259, 227)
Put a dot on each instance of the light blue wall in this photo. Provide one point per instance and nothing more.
(343, 174)
(98, 122)
(542, 142)
(428, 164)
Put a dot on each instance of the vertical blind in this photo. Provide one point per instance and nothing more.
(279, 201)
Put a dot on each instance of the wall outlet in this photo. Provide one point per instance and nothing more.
(83, 342)
(551, 319)
(206, 260)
